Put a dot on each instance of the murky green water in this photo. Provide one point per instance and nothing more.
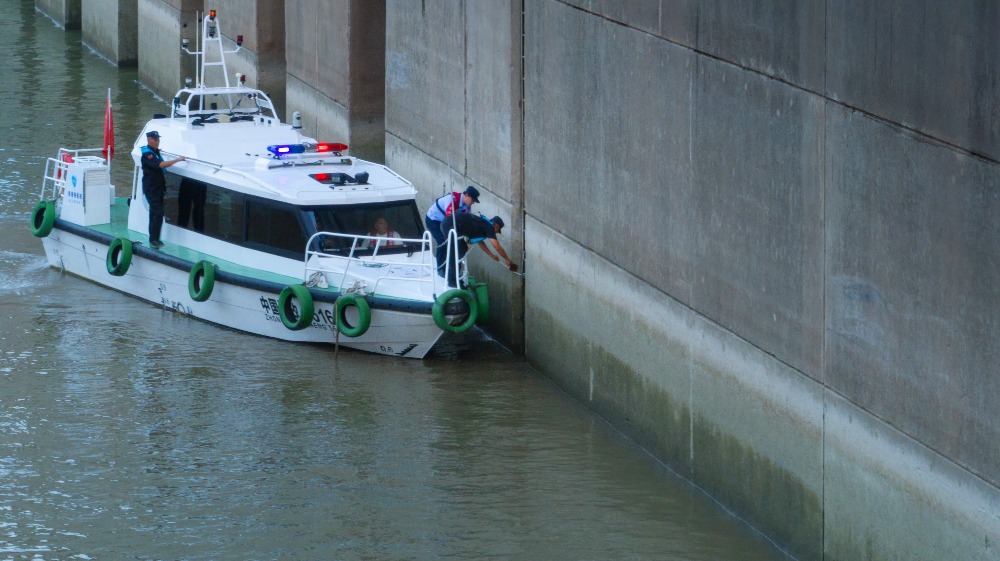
(129, 432)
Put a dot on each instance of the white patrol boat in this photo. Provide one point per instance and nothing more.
(266, 230)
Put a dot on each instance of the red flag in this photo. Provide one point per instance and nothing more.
(108, 149)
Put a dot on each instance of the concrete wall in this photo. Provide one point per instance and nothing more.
(336, 72)
(745, 427)
(453, 81)
(914, 206)
(111, 28)
(759, 240)
(690, 186)
(262, 58)
(162, 25)
(66, 13)
(163, 66)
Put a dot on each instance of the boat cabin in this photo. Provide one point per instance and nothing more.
(281, 228)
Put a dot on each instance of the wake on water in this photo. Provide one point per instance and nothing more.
(20, 271)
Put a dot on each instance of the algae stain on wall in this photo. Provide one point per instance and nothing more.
(655, 418)
(767, 495)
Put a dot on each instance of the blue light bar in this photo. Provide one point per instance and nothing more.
(283, 149)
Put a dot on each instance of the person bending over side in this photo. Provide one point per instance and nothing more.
(443, 208)
(475, 230)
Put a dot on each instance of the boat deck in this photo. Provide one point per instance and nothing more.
(118, 227)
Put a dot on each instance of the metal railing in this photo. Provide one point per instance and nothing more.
(346, 257)
(460, 272)
(56, 169)
(220, 168)
(217, 169)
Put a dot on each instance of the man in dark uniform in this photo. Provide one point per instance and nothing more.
(475, 230)
(154, 185)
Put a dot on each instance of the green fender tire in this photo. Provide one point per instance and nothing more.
(364, 315)
(482, 300)
(201, 281)
(119, 256)
(437, 310)
(43, 218)
(286, 310)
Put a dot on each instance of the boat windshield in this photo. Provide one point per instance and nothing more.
(394, 221)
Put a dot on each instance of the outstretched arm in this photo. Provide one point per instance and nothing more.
(499, 249)
(482, 246)
(169, 163)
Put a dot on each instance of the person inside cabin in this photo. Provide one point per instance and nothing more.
(473, 229)
(154, 184)
(191, 196)
(444, 207)
(381, 230)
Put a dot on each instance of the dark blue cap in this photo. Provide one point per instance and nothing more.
(152, 134)
(472, 192)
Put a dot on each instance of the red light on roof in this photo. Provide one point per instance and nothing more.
(330, 147)
(211, 14)
(322, 176)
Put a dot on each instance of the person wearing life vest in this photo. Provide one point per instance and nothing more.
(154, 184)
(475, 230)
(386, 237)
(452, 203)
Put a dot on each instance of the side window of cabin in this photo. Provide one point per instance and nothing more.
(170, 197)
(274, 229)
(225, 214)
(191, 198)
(208, 209)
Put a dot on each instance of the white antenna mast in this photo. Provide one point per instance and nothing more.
(211, 34)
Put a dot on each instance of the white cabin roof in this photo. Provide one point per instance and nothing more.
(234, 155)
(224, 132)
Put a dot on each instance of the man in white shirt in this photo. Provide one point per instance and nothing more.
(441, 210)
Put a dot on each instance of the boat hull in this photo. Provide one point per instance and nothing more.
(252, 309)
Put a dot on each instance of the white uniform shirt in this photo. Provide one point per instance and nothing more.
(437, 210)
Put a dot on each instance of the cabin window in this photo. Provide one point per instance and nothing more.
(203, 208)
(402, 217)
(225, 214)
(282, 229)
(191, 198)
(170, 198)
(275, 229)
(233, 217)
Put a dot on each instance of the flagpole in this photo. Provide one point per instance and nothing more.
(106, 147)
(109, 133)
